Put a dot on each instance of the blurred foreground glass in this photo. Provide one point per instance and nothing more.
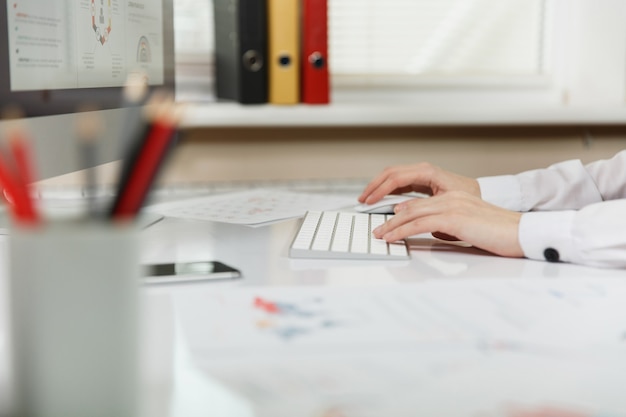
(74, 320)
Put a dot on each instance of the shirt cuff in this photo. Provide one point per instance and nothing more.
(502, 190)
(548, 235)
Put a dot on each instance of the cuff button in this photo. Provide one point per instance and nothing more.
(551, 255)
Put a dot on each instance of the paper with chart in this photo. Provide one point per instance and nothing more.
(252, 207)
(559, 314)
(536, 342)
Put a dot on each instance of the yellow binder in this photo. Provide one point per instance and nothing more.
(284, 51)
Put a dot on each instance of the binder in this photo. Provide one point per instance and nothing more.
(241, 50)
(284, 51)
(315, 72)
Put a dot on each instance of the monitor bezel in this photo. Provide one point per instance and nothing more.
(63, 101)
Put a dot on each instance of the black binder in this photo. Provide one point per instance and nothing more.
(241, 50)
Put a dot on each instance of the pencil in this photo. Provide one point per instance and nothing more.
(136, 136)
(133, 97)
(88, 129)
(8, 182)
(150, 159)
(136, 144)
(17, 183)
(20, 148)
(15, 188)
(19, 144)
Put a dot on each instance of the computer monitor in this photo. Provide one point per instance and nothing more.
(58, 56)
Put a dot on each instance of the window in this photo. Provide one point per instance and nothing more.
(407, 37)
(436, 37)
(193, 23)
(500, 52)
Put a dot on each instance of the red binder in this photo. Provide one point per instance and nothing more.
(315, 75)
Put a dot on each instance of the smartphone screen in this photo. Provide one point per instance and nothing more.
(189, 271)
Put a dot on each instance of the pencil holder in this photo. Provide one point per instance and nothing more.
(74, 320)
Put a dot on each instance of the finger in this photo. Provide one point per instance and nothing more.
(405, 213)
(396, 181)
(389, 186)
(412, 212)
(384, 183)
(378, 181)
(414, 227)
(373, 185)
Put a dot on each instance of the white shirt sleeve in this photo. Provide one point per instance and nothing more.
(594, 235)
(567, 211)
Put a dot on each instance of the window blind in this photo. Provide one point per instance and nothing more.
(407, 37)
(436, 37)
(193, 26)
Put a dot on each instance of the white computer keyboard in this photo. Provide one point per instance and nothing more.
(344, 235)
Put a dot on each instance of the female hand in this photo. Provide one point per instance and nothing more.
(423, 178)
(460, 215)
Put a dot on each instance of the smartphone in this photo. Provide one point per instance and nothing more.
(189, 272)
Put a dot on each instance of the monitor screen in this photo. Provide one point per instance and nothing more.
(59, 56)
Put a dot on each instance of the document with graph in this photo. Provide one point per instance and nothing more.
(308, 350)
(255, 207)
(585, 312)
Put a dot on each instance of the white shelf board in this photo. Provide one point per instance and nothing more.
(213, 114)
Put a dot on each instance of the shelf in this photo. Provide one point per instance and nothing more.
(366, 114)
(404, 106)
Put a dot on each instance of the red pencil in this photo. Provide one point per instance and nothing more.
(20, 148)
(144, 171)
(17, 175)
(21, 204)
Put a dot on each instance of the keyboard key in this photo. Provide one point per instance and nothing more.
(360, 234)
(307, 231)
(344, 235)
(325, 230)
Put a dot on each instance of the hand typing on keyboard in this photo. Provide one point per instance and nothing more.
(456, 209)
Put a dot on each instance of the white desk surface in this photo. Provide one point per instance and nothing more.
(261, 255)
(184, 389)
